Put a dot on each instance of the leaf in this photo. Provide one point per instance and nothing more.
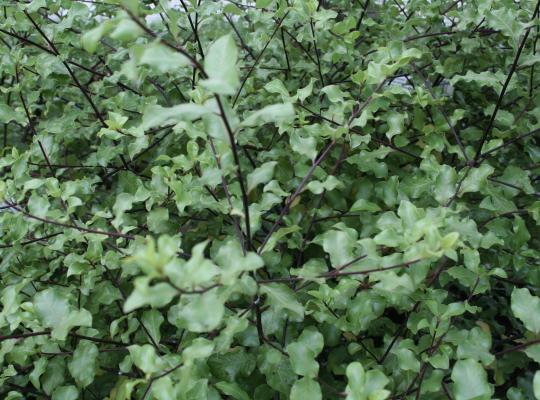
(261, 174)
(54, 311)
(163, 59)
(395, 123)
(306, 388)
(38, 205)
(536, 385)
(198, 272)
(83, 364)
(126, 30)
(152, 320)
(230, 271)
(470, 381)
(263, 3)
(65, 393)
(233, 390)
(526, 307)
(232, 365)
(198, 313)
(155, 116)
(39, 368)
(157, 295)
(339, 245)
(7, 114)
(274, 113)
(277, 370)
(145, 358)
(507, 21)
(365, 386)
(282, 298)
(364, 205)
(90, 39)
(306, 146)
(303, 352)
(476, 179)
(220, 66)
(163, 389)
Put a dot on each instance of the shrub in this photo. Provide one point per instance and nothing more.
(280, 199)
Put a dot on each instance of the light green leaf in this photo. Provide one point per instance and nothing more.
(155, 115)
(198, 313)
(163, 59)
(65, 393)
(536, 385)
(364, 205)
(7, 114)
(55, 312)
(306, 388)
(395, 123)
(220, 66)
(82, 365)
(263, 3)
(274, 113)
(145, 357)
(526, 307)
(157, 295)
(365, 386)
(476, 178)
(232, 390)
(470, 381)
(304, 145)
(126, 30)
(90, 39)
(282, 297)
(303, 352)
(445, 184)
(152, 320)
(261, 174)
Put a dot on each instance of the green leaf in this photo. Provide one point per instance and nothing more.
(65, 393)
(126, 30)
(90, 40)
(54, 311)
(83, 365)
(306, 146)
(155, 116)
(198, 313)
(157, 295)
(526, 307)
(507, 21)
(536, 385)
(365, 386)
(476, 178)
(282, 298)
(145, 358)
(152, 320)
(7, 114)
(364, 205)
(303, 352)
(306, 388)
(395, 123)
(162, 59)
(261, 174)
(445, 184)
(220, 66)
(339, 245)
(263, 3)
(274, 113)
(233, 390)
(470, 381)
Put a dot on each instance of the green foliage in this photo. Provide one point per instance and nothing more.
(271, 199)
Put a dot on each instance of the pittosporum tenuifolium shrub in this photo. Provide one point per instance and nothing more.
(280, 199)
